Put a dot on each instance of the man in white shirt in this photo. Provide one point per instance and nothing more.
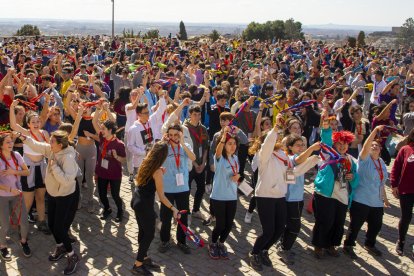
(379, 85)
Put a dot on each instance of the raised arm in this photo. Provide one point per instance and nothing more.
(367, 145)
(220, 145)
(75, 127)
(13, 124)
(381, 116)
(307, 153)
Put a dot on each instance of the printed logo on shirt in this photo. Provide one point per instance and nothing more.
(411, 158)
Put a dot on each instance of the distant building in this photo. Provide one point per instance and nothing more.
(396, 30)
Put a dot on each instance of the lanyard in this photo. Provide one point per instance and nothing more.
(285, 161)
(359, 129)
(35, 137)
(163, 116)
(249, 123)
(7, 163)
(197, 136)
(148, 131)
(176, 156)
(105, 145)
(378, 168)
(234, 168)
(153, 97)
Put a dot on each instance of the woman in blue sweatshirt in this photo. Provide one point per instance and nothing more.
(223, 199)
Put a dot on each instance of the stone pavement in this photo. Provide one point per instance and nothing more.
(109, 249)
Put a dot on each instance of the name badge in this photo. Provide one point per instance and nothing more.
(381, 192)
(105, 164)
(245, 188)
(200, 151)
(290, 177)
(179, 177)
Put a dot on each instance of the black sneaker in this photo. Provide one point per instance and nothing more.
(399, 248)
(140, 270)
(256, 262)
(42, 227)
(265, 258)
(119, 217)
(164, 247)
(183, 247)
(30, 218)
(131, 179)
(26, 249)
(209, 221)
(150, 264)
(223, 251)
(5, 254)
(105, 214)
(285, 255)
(373, 250)
(213, 251)
(59, 252)
(349, 250)
(72, 264)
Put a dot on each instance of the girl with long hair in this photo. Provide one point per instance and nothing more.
(33, 186)
(148, 182)
(12, 167)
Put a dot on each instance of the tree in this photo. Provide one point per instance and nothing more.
(150, 34)
(406, 34)
(183, 32)
(28, 30)
(361, 38)
(214, 35)
(277, 29)
(352, 41)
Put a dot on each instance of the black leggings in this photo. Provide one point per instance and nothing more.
(406, 205)
(330, 217)
(359, 214)
(181, 201)
(293, 224)
(200, 180)
(252, 203)
(272, 214)
(145, 217)
(225, 211)
(61, 213)
(103, 191)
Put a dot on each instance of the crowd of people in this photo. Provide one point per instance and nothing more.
(79, 113)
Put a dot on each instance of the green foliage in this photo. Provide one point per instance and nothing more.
(352, 42)
(277, 29)
(406, 35)
(214, 35)
(183, 32)
(361, 39)
(28, 30)
(128, 33)
(150, 34)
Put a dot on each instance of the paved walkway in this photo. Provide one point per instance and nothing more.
(109, 249)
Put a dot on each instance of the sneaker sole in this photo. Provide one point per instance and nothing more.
(57, 259)
(6, 259)
(73, 271)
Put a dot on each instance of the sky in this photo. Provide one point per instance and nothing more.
(309, 12)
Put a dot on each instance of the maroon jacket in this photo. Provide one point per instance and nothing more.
(402, 173)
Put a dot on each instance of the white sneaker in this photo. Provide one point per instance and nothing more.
(198, 215)
(248, 217)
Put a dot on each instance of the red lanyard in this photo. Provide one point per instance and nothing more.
(176, 156)
(285, 161)
(163, 116)
(359, 130)
(378, 168)
(105, 146)
(234, 168)
(148, 131)
(35, 137)
(7, 163)
(196, 136)
(249, 123)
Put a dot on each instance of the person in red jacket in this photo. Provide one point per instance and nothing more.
(402, 184)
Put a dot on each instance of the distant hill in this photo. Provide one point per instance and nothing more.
(69, 27)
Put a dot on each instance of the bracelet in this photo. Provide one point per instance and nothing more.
(223, 142)
(171, 207)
